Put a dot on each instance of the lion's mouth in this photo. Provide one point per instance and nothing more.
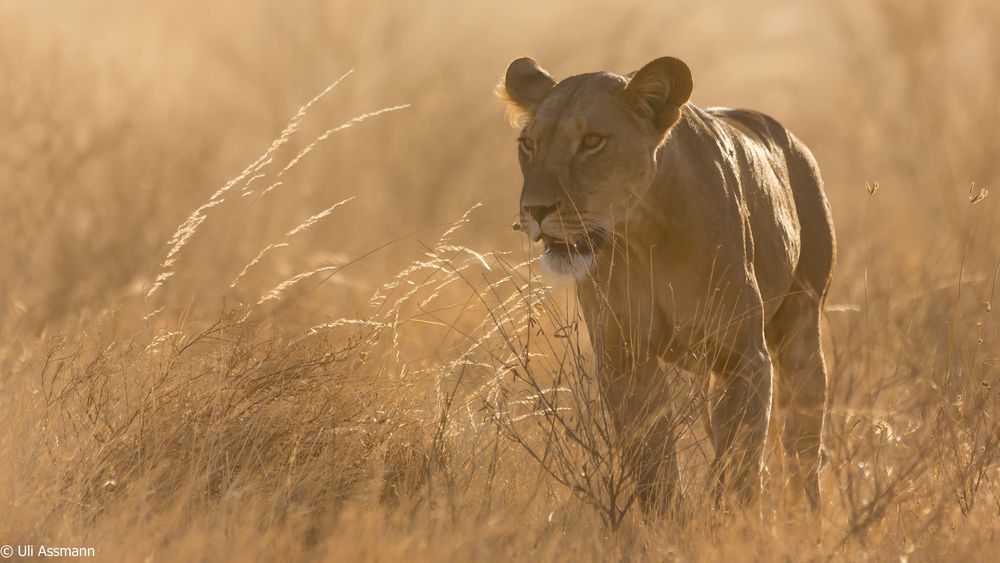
(583, 246)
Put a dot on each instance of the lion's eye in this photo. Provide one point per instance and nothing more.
(592, 142)
(526, 145)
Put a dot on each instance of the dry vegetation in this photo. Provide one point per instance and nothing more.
(420, 394)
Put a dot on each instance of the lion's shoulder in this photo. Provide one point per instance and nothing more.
(754, 125)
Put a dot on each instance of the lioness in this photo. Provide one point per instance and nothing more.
(700, 237)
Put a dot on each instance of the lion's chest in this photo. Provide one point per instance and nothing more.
(646, 292)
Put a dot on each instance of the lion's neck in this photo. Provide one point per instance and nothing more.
(653, 230)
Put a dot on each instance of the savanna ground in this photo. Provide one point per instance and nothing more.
(201, 360)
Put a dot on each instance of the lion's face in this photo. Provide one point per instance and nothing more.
(585, 162)
(588, 155)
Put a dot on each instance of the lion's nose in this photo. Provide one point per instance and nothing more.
(540, 212)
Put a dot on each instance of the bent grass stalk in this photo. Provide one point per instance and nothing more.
(255, 171)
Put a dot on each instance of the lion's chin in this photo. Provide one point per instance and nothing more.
(567, 266)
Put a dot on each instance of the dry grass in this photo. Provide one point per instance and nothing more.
(344, 352)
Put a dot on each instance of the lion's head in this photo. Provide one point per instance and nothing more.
(588, 151)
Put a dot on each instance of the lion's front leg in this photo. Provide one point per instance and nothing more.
(635, 393)
(740, 408)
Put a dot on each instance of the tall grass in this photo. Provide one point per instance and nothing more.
(345, 353)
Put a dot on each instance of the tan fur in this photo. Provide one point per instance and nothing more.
(701, 237)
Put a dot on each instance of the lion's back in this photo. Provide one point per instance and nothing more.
(793, 157)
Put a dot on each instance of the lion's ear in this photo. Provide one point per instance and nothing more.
(659, 89)
(524, 86)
